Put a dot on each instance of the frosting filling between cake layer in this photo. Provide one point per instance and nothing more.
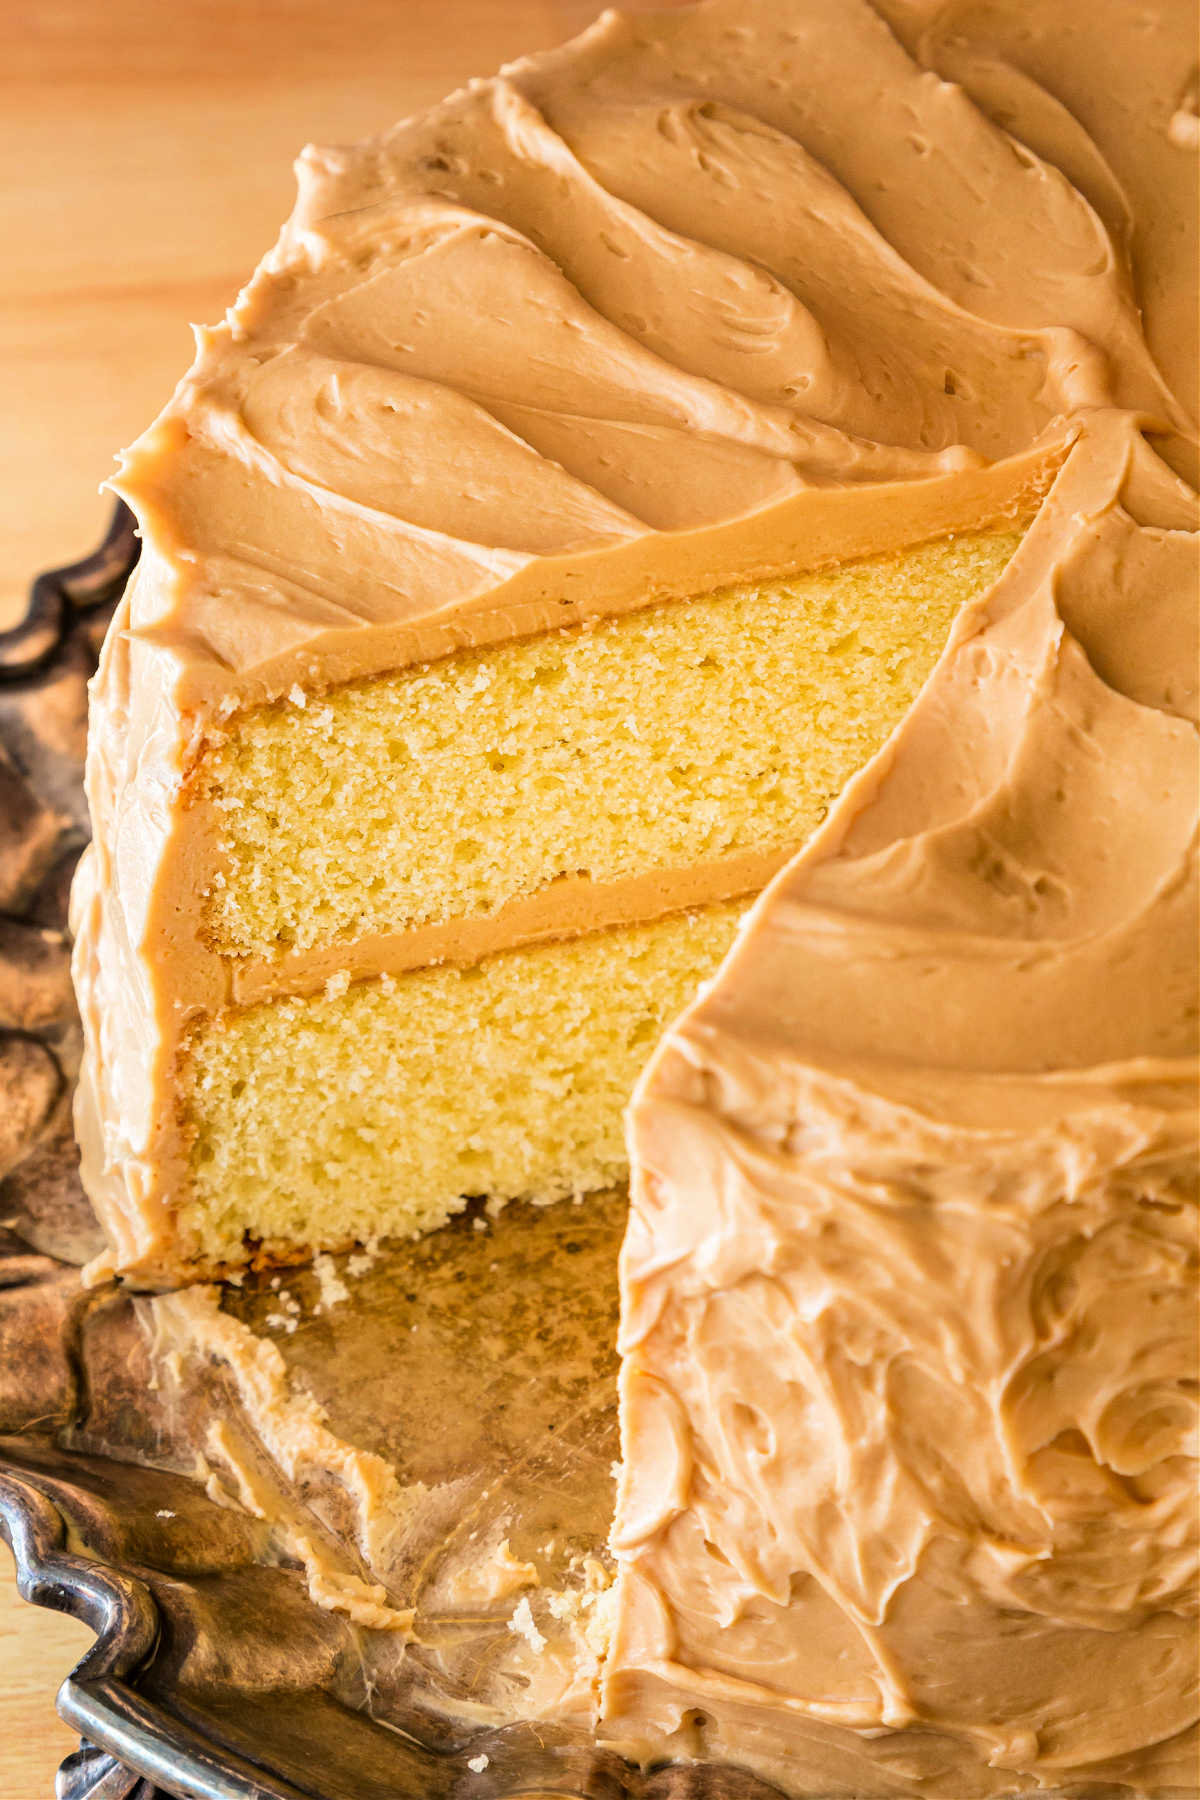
(569, 908)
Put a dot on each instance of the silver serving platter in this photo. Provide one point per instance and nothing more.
(477, 1363)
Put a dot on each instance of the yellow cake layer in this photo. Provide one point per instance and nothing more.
(379, 1109)
(664, 738)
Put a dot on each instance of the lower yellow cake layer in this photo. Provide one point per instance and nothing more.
(380, 1109)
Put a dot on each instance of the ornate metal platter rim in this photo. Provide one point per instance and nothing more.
(120, 1729)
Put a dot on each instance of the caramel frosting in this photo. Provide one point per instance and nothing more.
(909, 1288)
(507, 361)
(708, 294)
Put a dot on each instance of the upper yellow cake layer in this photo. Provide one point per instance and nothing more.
(660, 739)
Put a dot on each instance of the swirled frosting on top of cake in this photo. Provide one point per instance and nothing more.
(554, 340)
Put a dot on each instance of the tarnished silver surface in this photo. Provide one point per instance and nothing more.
(476, 1367)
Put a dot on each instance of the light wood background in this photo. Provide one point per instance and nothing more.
(147, 148)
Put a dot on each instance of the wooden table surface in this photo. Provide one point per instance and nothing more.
(147, 149)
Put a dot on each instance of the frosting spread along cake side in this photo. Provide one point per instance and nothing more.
(909, 1308)
(757, 417)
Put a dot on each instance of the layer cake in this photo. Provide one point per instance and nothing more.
(760, 419)
(529, 560)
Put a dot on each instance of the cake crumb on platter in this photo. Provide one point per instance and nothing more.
(522, 1624)
(333, 1289)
